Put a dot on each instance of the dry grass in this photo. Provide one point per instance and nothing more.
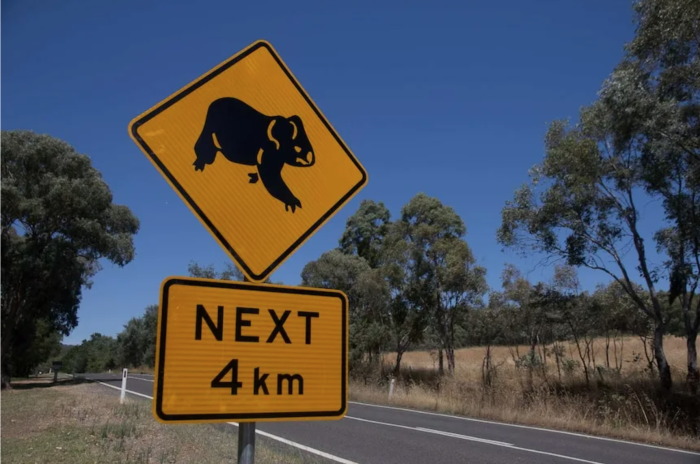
(470, 359)
(625, 405)
(82, 423)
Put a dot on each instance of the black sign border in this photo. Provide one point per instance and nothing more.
(227, 246)
(246, 416)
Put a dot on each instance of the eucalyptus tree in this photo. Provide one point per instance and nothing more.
(58, 222)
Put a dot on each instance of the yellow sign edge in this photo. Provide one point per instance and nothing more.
(133, 134)
(157, 395)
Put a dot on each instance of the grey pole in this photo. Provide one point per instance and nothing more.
(246, 437)
(246, 442)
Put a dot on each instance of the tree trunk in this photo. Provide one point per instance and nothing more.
(486, 368)
(530, 364)
(660, 356)
(5, 358)
(5, 375)
(691, 334)
(582, 356)
(542, 350)
(378, 357)
(441, 365)
(591, 356)
(693, 377)
(450, 354)
(450, 348)
(622, 348)
(648, 344)
(397, 368)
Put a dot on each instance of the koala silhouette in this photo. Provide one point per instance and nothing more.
(246, 136)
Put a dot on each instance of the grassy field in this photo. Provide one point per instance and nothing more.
(468, 360)
(624, 404)
(83, 423)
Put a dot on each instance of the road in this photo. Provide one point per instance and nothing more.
(386, 435)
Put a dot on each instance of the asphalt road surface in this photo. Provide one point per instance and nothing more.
(386, 435)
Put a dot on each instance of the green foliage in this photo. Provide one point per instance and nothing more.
(365, 232)
(336, 270)
(58, 221)
(433, 267)
(403, 278)
(486, 326)
(586, 208)
(137, 342)
(620, 313)
(367, 296)
(133, 347)
(528, 361)
(230, 272)
(665, 49)
(97, 354)
(36, 349)
(570, 366)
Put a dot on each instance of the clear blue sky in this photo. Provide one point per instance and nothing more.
(452, 100)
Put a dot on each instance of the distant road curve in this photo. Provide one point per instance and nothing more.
(388, 435)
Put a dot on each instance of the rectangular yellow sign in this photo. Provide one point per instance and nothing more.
(237, 351)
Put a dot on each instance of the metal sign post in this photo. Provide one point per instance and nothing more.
(246, 435)
(246, 442)
(55, 366)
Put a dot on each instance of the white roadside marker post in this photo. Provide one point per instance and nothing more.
(123, 395)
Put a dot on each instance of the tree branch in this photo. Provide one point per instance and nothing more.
(626, 286)
(641, 255)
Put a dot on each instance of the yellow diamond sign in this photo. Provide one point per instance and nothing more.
(252, 156)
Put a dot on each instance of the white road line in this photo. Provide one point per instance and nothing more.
(481, 440)
(128, 391)
(463, 437)
(541, 429)
(260, 432)
(139, 378)
(553, 454)
(300, 446)
(439, 432)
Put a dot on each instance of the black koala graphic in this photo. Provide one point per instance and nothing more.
(243, 135)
